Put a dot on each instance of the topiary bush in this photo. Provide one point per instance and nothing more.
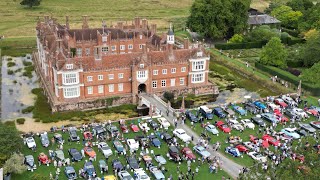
(11, 64)
(21, 120)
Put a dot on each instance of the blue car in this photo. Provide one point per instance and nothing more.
(291, 132)
(155, 141)
(233, 151)
(219, 112)
(70, 173)
(89, 171)
(260, 105)
(239, 110)
(191, 116)
(270, 117)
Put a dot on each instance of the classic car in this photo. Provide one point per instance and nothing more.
(174, 153)
(58, 138)
(280, 102)
(160, 159)
(239, 110)
(89, 171)
(118, 145)
(31, 143)
(201, 151)
(124, 175)
(181, 134)
(247, 123)
(291, 132)
(187, 153)
(270, 117)
(89, 151)
(133, 145)
(211, 128)
(116, 164)
(155, 141)
(258, 121)
(133, 163)
(233, 151)
(164, 122)
(191, 116)
(307, 127)
(29, 162)
(70, 173)
(218, 112)
(44, 139)
(222, 126)
(315, 124)
(105, 149)
(75, 154)
(73, 134)
(134, 128)
(157, 173)
(124, 128)
(271, 140)
(257, 156)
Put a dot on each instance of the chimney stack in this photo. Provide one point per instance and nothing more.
(46, 18)
(85, 22)
(153, 29)
(67, 22)
(137, 22)
(144, 49)
(120, 25)
(144, 24)
(186, 43)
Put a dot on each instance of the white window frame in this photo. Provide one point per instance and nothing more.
(140, 36)
(141, 66)
(104, 39)
(90, 90)
(79, 52)
(100, 77)
(155, 72)
(89, 78)
(100, 89)
(122, 47)
(183, 69)
(163, 83)
(105, 49)
(111, 76)
(120, 75)
(198, 77)
(141, 74)
(173, 82)
(181, 81)
(111, 87)
(71, 92)
(198, 65)
(87, 51)
(70, 78)
(173, 70)
(120, 87)
(164, 71)
(113, 48)
(130, 46)
(154, 84)
(69, 66)
(141, 45)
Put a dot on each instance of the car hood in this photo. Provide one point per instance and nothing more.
(205, 153)
(185, 136)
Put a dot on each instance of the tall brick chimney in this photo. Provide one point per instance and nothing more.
(144, 23)
(137, 22)
(46, 18)
(153, 29)
(85, 22)
(186, 43)
(67, 22)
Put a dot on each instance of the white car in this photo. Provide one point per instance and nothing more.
(300, 112)
(273, 106)
(105, 149)
(247, 123)
(30, 142)
(133, 144)
(289, 100)
(140, 174)
(124, 175)
(236, 125)
(181, 134)
(258, 157)
(164, 122)
(144, 126)
(249, 145)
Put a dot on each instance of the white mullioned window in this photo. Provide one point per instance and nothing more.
(155, 72)
(163, 83)
(198, 65)
(122, 47)
(120, 75)
(113, 48)
(89, 78)
(111, 87)
(120, 87)
(111, 76)
(87, 51)
(105, 49)
(130, 46)
(79, 52)
(183, 69)
(69, 66)
(197, 78)
(181, 81)
(154, 84)
(100, 89)
(141, 46)
(173, 70)
(71, 92)
(164, 71)
(173, 82)
(104, 38)
(141, 74)
(100, 77)
(70, 78)
(90, 90)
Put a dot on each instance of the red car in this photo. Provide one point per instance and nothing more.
(43, 158)
(89, 151)
(254, 139)
(186, 152)
(280, 102)
(271, 140)
(124, 128)
(134, 128)
(242, 148)
(282, 117)
(87, 135)
(313, 112)
(277, 112)
(223, 127)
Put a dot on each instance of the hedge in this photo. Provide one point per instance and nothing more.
(294, 33)
(314, 89)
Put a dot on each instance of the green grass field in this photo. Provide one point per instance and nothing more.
(170, 166)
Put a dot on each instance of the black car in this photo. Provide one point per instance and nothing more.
(144, 142)
(153, 124)
(166, 137)
(73, 135)
(191, 116)
(302, 132)
(133, 163)
(174, 153)
(155, 141)
(250, 107)
(289, 113)
(258, 121)
(58, 138)
(116, 164)
(75, 154)
(219, 112)
(99, 130)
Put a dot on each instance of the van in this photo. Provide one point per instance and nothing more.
(206, 112)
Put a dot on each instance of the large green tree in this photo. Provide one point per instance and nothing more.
(288, 17)
(14, 164)
(30, 3)
(312, 75)
(300, 5)
(310, 19)
(311, 51)
(218, 18)
(263, 33)
(10, 141)
(274, 53)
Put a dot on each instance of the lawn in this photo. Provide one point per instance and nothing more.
(246, 160)
(170, 166)
(17, 46)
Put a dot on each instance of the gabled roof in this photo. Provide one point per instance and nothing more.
(262, 19)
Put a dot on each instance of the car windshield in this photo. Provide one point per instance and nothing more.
(188, 152)
(224, 126)
(144, 176)
(300, 111)
(30, 140)
(89, 150)
(30, 160)
(181, 132)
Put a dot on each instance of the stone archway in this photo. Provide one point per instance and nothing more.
(142, 88)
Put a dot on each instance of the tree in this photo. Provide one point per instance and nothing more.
(237, 38)
(217, 18)
(288, 17)
(311, 51)
(312, 74)
(14, 164)
(274, 53)
(10, 141)
(311, 34)
(300, 5)
(30, 3)
(311, 19)
(263, 33)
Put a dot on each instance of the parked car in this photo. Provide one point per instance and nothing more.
(164, 122)
(59, 155)
(155, 141)
(29, 162)
(299, 112)
(249, 145)
(201, 151)
(58, 138)
(133, 145)
(166, 137)
(154, 125)
(239, 110)
(133, 163)
(280, 102)
(260, 105)
(44, 139)
(140, 174)
(229, 111)
(236, 125)
(89, 170)
(124, 128)
(272, 106)
(211, 128)
(144, 126)
(291, 132)
(89, 151)
(271, 140)
(258, 121)
(247, 123)
(112, 129)
(315, 124)
(160, 159)
(181, 134)
(105, 149)
(191, 116)
(258, 157)
(188, 154)
(174, 153)
(206, 112)
(289, 100)
(75, 154)
(233, 151)
(241, 148)
(283, 137)
(116, 164)
(157, 173)
(124, 175)
(315, 108)
(144, 142)
(250, 107)
(219, 112)
(307, 127)
(43, 159)
(73, 134)
(118, 145)
(270, 117)
(223, 127)
(134, 128)
(311, 111)
(301, 132)
(100, 131)
(87, 135)
(31, 143)
(70, 173)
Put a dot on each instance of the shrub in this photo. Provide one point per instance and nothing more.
(21, 120)
(18, 70)
(15, 81)
(293, 71)
(27, 110)
(11, 64)
(168, 96)
(9, 59)
(27, 63)
(10, 72)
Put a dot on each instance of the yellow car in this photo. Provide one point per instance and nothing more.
(110, 177)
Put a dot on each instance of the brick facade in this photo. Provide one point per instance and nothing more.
(79, 66)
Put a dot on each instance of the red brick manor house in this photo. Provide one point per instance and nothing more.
(80, 67)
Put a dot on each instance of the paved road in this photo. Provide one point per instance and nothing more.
(228, 165)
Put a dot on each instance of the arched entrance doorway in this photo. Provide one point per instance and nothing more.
(142, 88)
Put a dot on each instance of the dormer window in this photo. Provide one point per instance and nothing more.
(69, 66)
(104, 39)
(105, 49)
(140, 36)
(141, 66)
(199, 54)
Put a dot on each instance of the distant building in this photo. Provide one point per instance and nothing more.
(257, 19)
(88, 67)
